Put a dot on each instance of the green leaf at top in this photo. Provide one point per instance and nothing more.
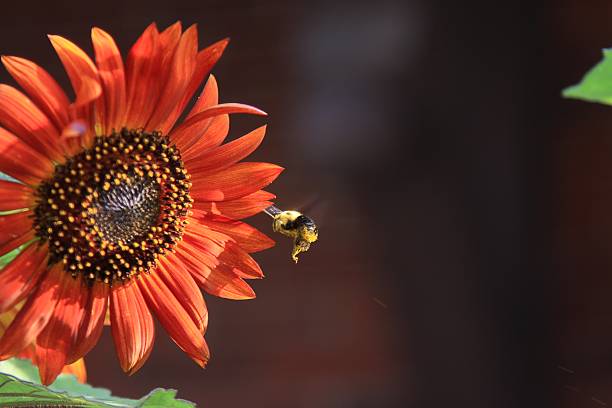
(66, 391)
(596, 86)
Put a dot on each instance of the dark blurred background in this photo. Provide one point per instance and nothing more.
(465, 209)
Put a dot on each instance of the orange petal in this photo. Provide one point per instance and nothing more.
(205, 60)
(20, 276)
(44, 91)
(175, 319)
(210, 274)
(78, 369)
(34, 315)
(112, 75)
(20, 161)
(188, 132)
(179, 281)
(131, 325)
(209, 97)
(213, 135)
(14, 225)
(249, 238)
(142, 78)
(14, 196)
(222, 282)
(215, 129)
(90, 327)
(182, 68)
(237, 181)
(240, 208)
(228, 154)
(19, 114)
(240, 262)
(55, 342)
(81, 70)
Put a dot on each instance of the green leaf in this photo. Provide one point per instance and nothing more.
(67, 391)
(596, 86)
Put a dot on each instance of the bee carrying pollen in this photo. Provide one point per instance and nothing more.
(295, 225)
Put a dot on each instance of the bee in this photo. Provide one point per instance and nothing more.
(296, 225)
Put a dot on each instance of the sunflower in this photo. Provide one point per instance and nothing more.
(121, 213)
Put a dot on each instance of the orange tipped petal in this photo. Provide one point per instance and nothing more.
(14, 196)
(16, 160)
(182, 68)
(34, 315)
(175, 319)
(78, 369)
(21, 275)
(228, 154)
(91, 325)
(22, 117)
(131, 325)
(81, 70)
(237, 181)
(112, 76)
(142, 81)
(44, 91)
(188, 132)
(54, 343)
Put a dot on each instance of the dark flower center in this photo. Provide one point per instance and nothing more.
(111, 210)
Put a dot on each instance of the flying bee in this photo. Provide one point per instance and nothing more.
(296, 225)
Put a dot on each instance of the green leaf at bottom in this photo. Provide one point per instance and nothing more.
(596, 86)
(66, 391)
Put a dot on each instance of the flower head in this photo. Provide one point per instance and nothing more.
(120, 209)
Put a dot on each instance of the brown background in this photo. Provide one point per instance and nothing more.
(465, 254)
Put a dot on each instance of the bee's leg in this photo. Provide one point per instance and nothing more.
(299, 246)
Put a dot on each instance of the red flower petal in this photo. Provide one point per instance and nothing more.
(228, 154)
(179, 281)
(188, 132)
(209, 97)
(205, 60)
(182, 68)
(44, 91)
(142, 81)
(14, 196)
(237, 181)
(16, 160)
(212, 276)
(34, 315)
(249, 238)
(112, 75)
(20, 276)
(92, 323)
(81, 70)
(175, 319)
(14, 225)
(30, 124)
(59, 335)
(214, 133)
(240, 208)
(131, 325)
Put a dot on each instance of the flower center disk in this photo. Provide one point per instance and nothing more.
(111, 210)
